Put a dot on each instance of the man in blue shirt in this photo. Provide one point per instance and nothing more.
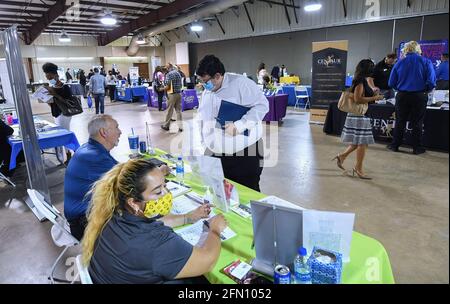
(88, 164)
(412, 77)
(442, 73)
(97, 85)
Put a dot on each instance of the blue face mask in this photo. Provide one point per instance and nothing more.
(52, 82)
(209, 86)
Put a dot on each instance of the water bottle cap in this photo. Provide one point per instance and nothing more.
(180, 158)
(302, 251)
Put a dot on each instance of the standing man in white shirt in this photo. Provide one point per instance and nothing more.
(241, 154)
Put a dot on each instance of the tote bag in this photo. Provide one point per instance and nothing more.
(348, 104)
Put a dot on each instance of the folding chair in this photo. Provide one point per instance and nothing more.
(3, 177)
(301, 92)
(83, 273)
(60, 231)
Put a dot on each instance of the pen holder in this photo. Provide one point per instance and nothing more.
(326, 266)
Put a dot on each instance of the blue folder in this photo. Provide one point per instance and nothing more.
(231, 112)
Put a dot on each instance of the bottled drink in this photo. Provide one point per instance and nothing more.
(207, 197)
(180, 170)
(302, 270)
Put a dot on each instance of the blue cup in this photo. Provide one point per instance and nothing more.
(133, 141)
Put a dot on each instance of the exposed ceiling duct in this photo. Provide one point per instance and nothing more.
(206, 11)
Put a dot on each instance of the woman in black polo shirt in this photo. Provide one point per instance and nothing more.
(129, 239)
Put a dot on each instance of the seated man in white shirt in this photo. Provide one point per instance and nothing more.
(240, 145)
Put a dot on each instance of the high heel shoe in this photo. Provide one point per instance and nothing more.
(339, 162)
(361, 176)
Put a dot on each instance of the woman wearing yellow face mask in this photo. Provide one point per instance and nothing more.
(128, 238)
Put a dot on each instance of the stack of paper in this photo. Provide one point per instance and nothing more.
(42, 95)
(196, 233)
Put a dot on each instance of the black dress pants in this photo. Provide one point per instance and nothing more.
(412, 106)
(77, 227)
(244, 167)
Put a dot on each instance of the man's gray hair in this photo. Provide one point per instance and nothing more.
(98, 122)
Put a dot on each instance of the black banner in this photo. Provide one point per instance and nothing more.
(329, 71)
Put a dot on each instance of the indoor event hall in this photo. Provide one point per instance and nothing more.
(224, 142)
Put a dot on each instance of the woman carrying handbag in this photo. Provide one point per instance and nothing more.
(61, 94)
(357, 132)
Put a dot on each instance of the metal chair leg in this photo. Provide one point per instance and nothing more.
(7, 180)
(52, 279)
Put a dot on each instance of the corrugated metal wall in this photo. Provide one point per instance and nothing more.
(271, 19)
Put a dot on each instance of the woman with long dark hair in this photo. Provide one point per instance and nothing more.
(357, 131)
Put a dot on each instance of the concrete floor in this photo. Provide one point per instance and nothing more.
(405, 206)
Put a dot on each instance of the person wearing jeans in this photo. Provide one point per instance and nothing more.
(97, 85)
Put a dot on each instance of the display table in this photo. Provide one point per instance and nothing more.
(189, 100)
(277, 108)
(290, 80)
(290, 91)
(51, 138)
(76, 88)
(365, 251)
(129, 94)
(153, 100)
(436, 125)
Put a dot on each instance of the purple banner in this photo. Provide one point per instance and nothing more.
(431, 49)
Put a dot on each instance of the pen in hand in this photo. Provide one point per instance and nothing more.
(206, 223)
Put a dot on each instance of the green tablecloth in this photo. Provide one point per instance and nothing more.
(369, 262)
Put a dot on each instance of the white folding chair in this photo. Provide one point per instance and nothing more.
(60, 231)
(301, 92)
(5, 178)
(83, 273)
(13, 193)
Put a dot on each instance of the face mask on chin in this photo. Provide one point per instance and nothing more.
(52, 82)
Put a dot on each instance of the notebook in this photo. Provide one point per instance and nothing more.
(231, 112)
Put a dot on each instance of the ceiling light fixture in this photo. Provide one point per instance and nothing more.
(64, 37)
(141, 39)
(196, 27)
(312, 6)
(108, 19)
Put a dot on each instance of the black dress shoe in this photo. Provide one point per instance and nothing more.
(418, 151)
(172, 120)
(165, 128)
(393, 148)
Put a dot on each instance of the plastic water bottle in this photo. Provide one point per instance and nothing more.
(302, 270)
(207, 197)
(180, 170)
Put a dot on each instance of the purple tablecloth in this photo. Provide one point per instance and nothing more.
(189, 100)
(153, 100)
(277, 107)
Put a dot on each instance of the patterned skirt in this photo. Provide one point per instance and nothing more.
(357, 130)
